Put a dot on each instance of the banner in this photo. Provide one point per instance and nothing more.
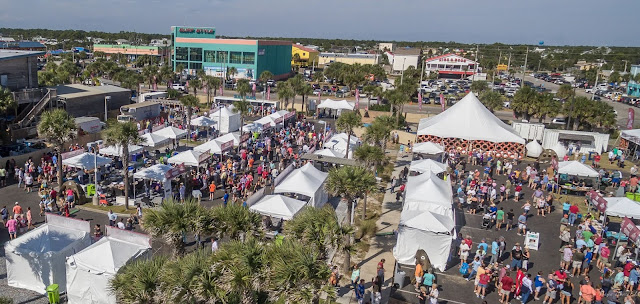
(204, 156)
(71, 154)
(597, 200)
(420, 100)
(244, 137)
(442, 102)
(269, 93)
(357, 99)
(279, 119)
(289, 114)
(175, 171)
(629, 229)
(254, 89)
(631, 116)
(226, 146)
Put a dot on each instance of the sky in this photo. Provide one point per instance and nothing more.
(556, 22)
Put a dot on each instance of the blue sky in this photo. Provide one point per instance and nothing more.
(557, 22)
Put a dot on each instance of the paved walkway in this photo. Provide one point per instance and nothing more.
(382, 244)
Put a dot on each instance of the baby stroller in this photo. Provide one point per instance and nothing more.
(486, 221)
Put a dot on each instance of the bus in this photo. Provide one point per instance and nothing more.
(226, 100)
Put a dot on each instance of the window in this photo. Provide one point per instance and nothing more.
(195, 54)
(182, 53)
(304, 54)
(222, 56)
(248, 58)
(235, 57)
(210, 56)
(195, 65)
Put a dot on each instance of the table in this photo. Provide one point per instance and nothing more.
(120, 201)
(567, 189)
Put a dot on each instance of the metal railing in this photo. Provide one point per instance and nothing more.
(37, 108)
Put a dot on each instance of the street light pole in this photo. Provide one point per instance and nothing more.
(106, 99)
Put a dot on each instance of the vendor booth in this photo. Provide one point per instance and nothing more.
(278, 206)
(576, 141)
(226, 120)
(427, 148)
(86, 161)
(328, 152)
(576, 177)
(36, 259)
(338, 143)
(426, 166)
(427, 192)
(171, 132)
(117, 150)
(426, 231)
(307, 181)
(622, 206)
(89, 271)
(154, 140)
(630, 140)
(189, 158)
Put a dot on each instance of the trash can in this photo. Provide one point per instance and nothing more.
(53, 294)
(398, 279)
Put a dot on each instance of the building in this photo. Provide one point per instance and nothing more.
(633, 88)
(403, 58)
(328, 58)
(160, 42)
(451, 65)
(197, 48)
(122, 41)
(132, 51)
(19, 69)
(81, 100)
(387, 46)
(302, 56)
(585, 66)
(22, 45)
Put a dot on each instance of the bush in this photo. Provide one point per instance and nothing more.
(380, 107)
(367, 228)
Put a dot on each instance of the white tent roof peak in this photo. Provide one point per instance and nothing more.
(622, 206)
(108, 255)
(278, 206)
(171, 132)
(188, 158)
(155, 172)
(427, 165)
(152, 140)
(469, 119)
(427, 148)
(86, 161)
(534, 149)
(203, 121)
(117, 150)
(576, 168)
(427, 221)
(336, 104)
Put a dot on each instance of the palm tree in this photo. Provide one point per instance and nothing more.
(523, 101)
(138, 282)
(166, 74)
(546, 106)
(236, 222)
(6, 101)
(296, 83)
(318, 228)
(171, 221)
(565, 92)
(179, 68)
(346, 123)
(179, 278)
(150, 72)
(479, 86)
(231, 72)
(57, 127)
(196, 84)
(285, 91)
(240, 265)
(212, 84)
(349, 183)
(123, 135)
(492, 100)
(243, 88)
(189, 102)
(318, 76)
(378, 131)
(305, 90)
(371, 156)
(265, 76)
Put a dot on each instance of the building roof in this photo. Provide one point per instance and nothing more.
(125, 46)
(80, 90)
(21, 44)
(304, 48)
(13, 54)
(407, 51)
(458, 57)
(345, 55)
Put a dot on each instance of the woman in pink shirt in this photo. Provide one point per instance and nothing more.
(12, 226)
(29, 218)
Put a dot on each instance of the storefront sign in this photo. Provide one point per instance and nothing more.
(597, 200)
(204, 156)
(226, 146)
(629, 229)
(175, 171)
(196, 30)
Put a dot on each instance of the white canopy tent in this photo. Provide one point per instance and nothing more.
(213, 146)
(427, 148)
(622, 206)
(117, 150)
(86, 161)
(631, 135)
(307, 181)
(278, 206)
(265, 120)
(469, 119)
(188, 158)
(576, 168)
(203, 121)
(338, 143)
(328, 152)
(154, 140)
(227, 120)
(171, 132)
(427, 192)
(424, 230)
(560, 150)
(36, 259)
(335, 104)
(534, 149)
(155, 172)
(427, 165)
(230, 136)
(90, 270)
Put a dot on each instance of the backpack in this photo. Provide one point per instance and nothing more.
(464, 268)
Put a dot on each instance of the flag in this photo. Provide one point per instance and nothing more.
(442, 102)
(186, 86)
(155, 83)
(420, 100)
(205, 89)
(357, 99)
(268, 92)
(631, 115)
(254, 89)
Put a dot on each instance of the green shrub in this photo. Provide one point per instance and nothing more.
(367, 228)
(380, 107)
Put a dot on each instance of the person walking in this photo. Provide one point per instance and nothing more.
(112, 218)
(12, 227)
(355, 277)
(506, 287)
(360, 292)
(526, 288)
(418, 275)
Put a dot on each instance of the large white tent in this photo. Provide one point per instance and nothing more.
(154, 140)
(576, 168)
(427, 192)
(278, 206)
(328, 152)
(307, 181)
(427, 148)
(534, 149)
(86, 161)
(36, 259)
(203, 121)
(622, 206)
(171, 132)
(469, 119)
(424, 230)
(227, 120)
(335, 104)
(117, 150)
(188, 158)
(338, 143)
(90, 270)
(155, 172)
(631, 135)
(213, 146)
(560, 150)
(427, 165)
(229, 136)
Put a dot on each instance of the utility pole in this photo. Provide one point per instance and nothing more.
(593, 90)
(402, 75)
(422, 73)
(509, 64)
(499, 57)
(475, 70)
(524, 68)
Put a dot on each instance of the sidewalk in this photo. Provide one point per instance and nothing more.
(382, 245)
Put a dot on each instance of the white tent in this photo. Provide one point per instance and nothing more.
(86, 161)
(36, 259)
(427, 148)
(560, 150)
(469, 119)
(117, 150)
(155, 172)
(188, 158)
(252, 127)
(631, 135)
(265, 120)
(171, 132)
(576, 168)
(203, 121)
(154, 140)
(90, 270)
(338, 143)
(307, 181)
(328, 152)
(427, 192)
(229, 136)
(427, 165)
(213, 146)
(534, 149)
(278, 206)
(336, 104)
(622, 206)
(425, 230)
(228, 120)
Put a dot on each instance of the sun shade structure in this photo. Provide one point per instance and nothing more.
(427, 165)
(90, 270)
(560, 150)
(576, 168)
(338, 143)
(622, 206)
(171, 132)
(336, 104)
(427, 148)
(155, 172)
(229, 121)
(36, 259)
(203, 121)
(154, 140)
(424, 230)
(307, 181)
(469, 125)
(328, 152)
(86, 161)
(278, 206)
(188, 158)
(117, 150)
(427, 192)
(534, 149)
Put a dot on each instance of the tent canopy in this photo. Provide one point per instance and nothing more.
(171, 132)
(427, 165)
(213, 146)
(328, 152)
(226, 119)
(426, 231)
(560, 150)
(631, 135)
(622, 206)
(203, 121)
(155, 172)
(427, 192)
(469, 119)
(307, 181)
(117, 150)
(427, 148)
(338, 143)
(229, 136)
(154, 140)
(534, 149)
(335, 104)
(86, 161)
(188, 158)
(576, 168)
(278, 206)
(427, 221)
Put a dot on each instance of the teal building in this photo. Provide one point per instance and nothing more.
(197, 48)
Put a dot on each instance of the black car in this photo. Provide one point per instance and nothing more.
(426, 100)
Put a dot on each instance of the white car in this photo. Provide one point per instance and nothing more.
(177, 86)
(559, 121)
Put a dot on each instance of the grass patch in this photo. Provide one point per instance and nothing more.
(361, 249)
(366, 229)
(116, 209)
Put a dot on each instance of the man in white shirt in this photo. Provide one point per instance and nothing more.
(121, 224)
(214, 245)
